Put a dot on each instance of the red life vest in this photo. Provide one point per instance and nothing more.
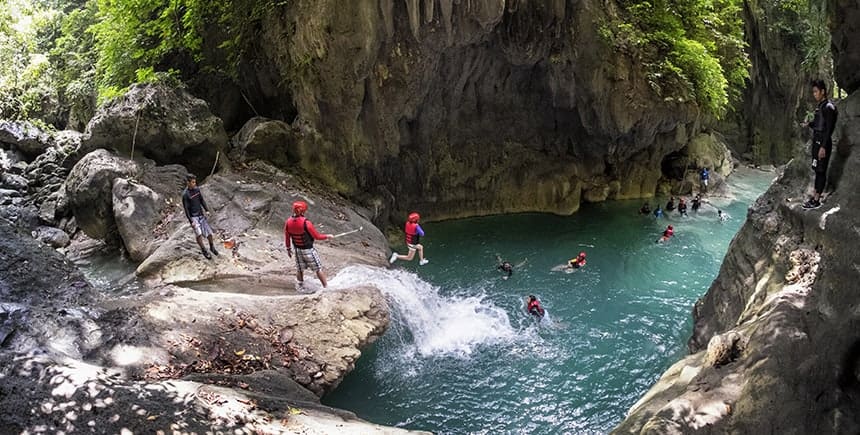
(668, 233)
(535, 305)
(411, 230)
(297, 228)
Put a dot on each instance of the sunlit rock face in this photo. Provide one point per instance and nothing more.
(461, 108)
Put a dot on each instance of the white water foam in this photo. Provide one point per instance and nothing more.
(438, 325)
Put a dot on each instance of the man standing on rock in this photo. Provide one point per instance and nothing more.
(194, 206)
(822, 126)
(300, 233)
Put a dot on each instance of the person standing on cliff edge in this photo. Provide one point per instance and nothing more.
(300, 233)
(822, 126)
(194, 206)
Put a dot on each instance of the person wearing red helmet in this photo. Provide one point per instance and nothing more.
(576, 263)
(299, 233)
(669, 232)
(414, 232)
(195, 211)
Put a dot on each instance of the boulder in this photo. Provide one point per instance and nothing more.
(89, 189)
(13, 182)
(54, 237)
(137, 210)
(266, 139)
(166, 124)
(25, 137)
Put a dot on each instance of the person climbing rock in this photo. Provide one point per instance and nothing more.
(646, 209)
(414, 232)
(682, 207)
(822, 126)
(577, 262)
(670, 206)
(704, 176)
(658, 212)
(299, 234)
(195, 211)
(533, 307)
(667, 233)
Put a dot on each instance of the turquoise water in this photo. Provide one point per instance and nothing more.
(461, 356)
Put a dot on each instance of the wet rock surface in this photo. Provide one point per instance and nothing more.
(254, 352)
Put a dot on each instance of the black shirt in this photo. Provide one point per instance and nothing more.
(193, 203)
(822, 126)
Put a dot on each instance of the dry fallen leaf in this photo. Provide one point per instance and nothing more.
(240, 352)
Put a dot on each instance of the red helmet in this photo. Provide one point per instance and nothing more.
(413, 217)
(300, 207)
(582, 254)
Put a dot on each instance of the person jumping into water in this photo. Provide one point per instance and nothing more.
(578, 262)
(534, 308)
(414, 232)
(669, 232)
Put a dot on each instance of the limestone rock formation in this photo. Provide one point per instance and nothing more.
(266, 139)
(785, 293)
(89, 188)
(67, 354)
(25, 137)
(165, 124)
(463, 108)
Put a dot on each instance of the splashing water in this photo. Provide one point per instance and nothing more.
(426, 322)
(462, 356)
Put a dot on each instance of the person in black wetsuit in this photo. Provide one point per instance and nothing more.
(670, 205)
(507, 267)
(195, 206)
(697, 202)
(646, 209)
(822, 126)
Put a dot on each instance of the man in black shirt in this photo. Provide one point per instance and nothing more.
(194, 206)
(822, 128)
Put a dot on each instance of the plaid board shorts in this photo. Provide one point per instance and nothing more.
(308, 259)
(201, 226)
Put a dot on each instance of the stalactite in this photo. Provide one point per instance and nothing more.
(413, 9)
(446, 7)
(386, 7)
(428, 10)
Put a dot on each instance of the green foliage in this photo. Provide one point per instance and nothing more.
(804, 24)
(692, 49)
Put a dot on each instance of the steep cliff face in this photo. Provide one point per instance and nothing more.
(776, 344)
(764, 127)
(466, 107)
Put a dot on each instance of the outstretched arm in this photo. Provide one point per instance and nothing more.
(523, 263)
(313, 232)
